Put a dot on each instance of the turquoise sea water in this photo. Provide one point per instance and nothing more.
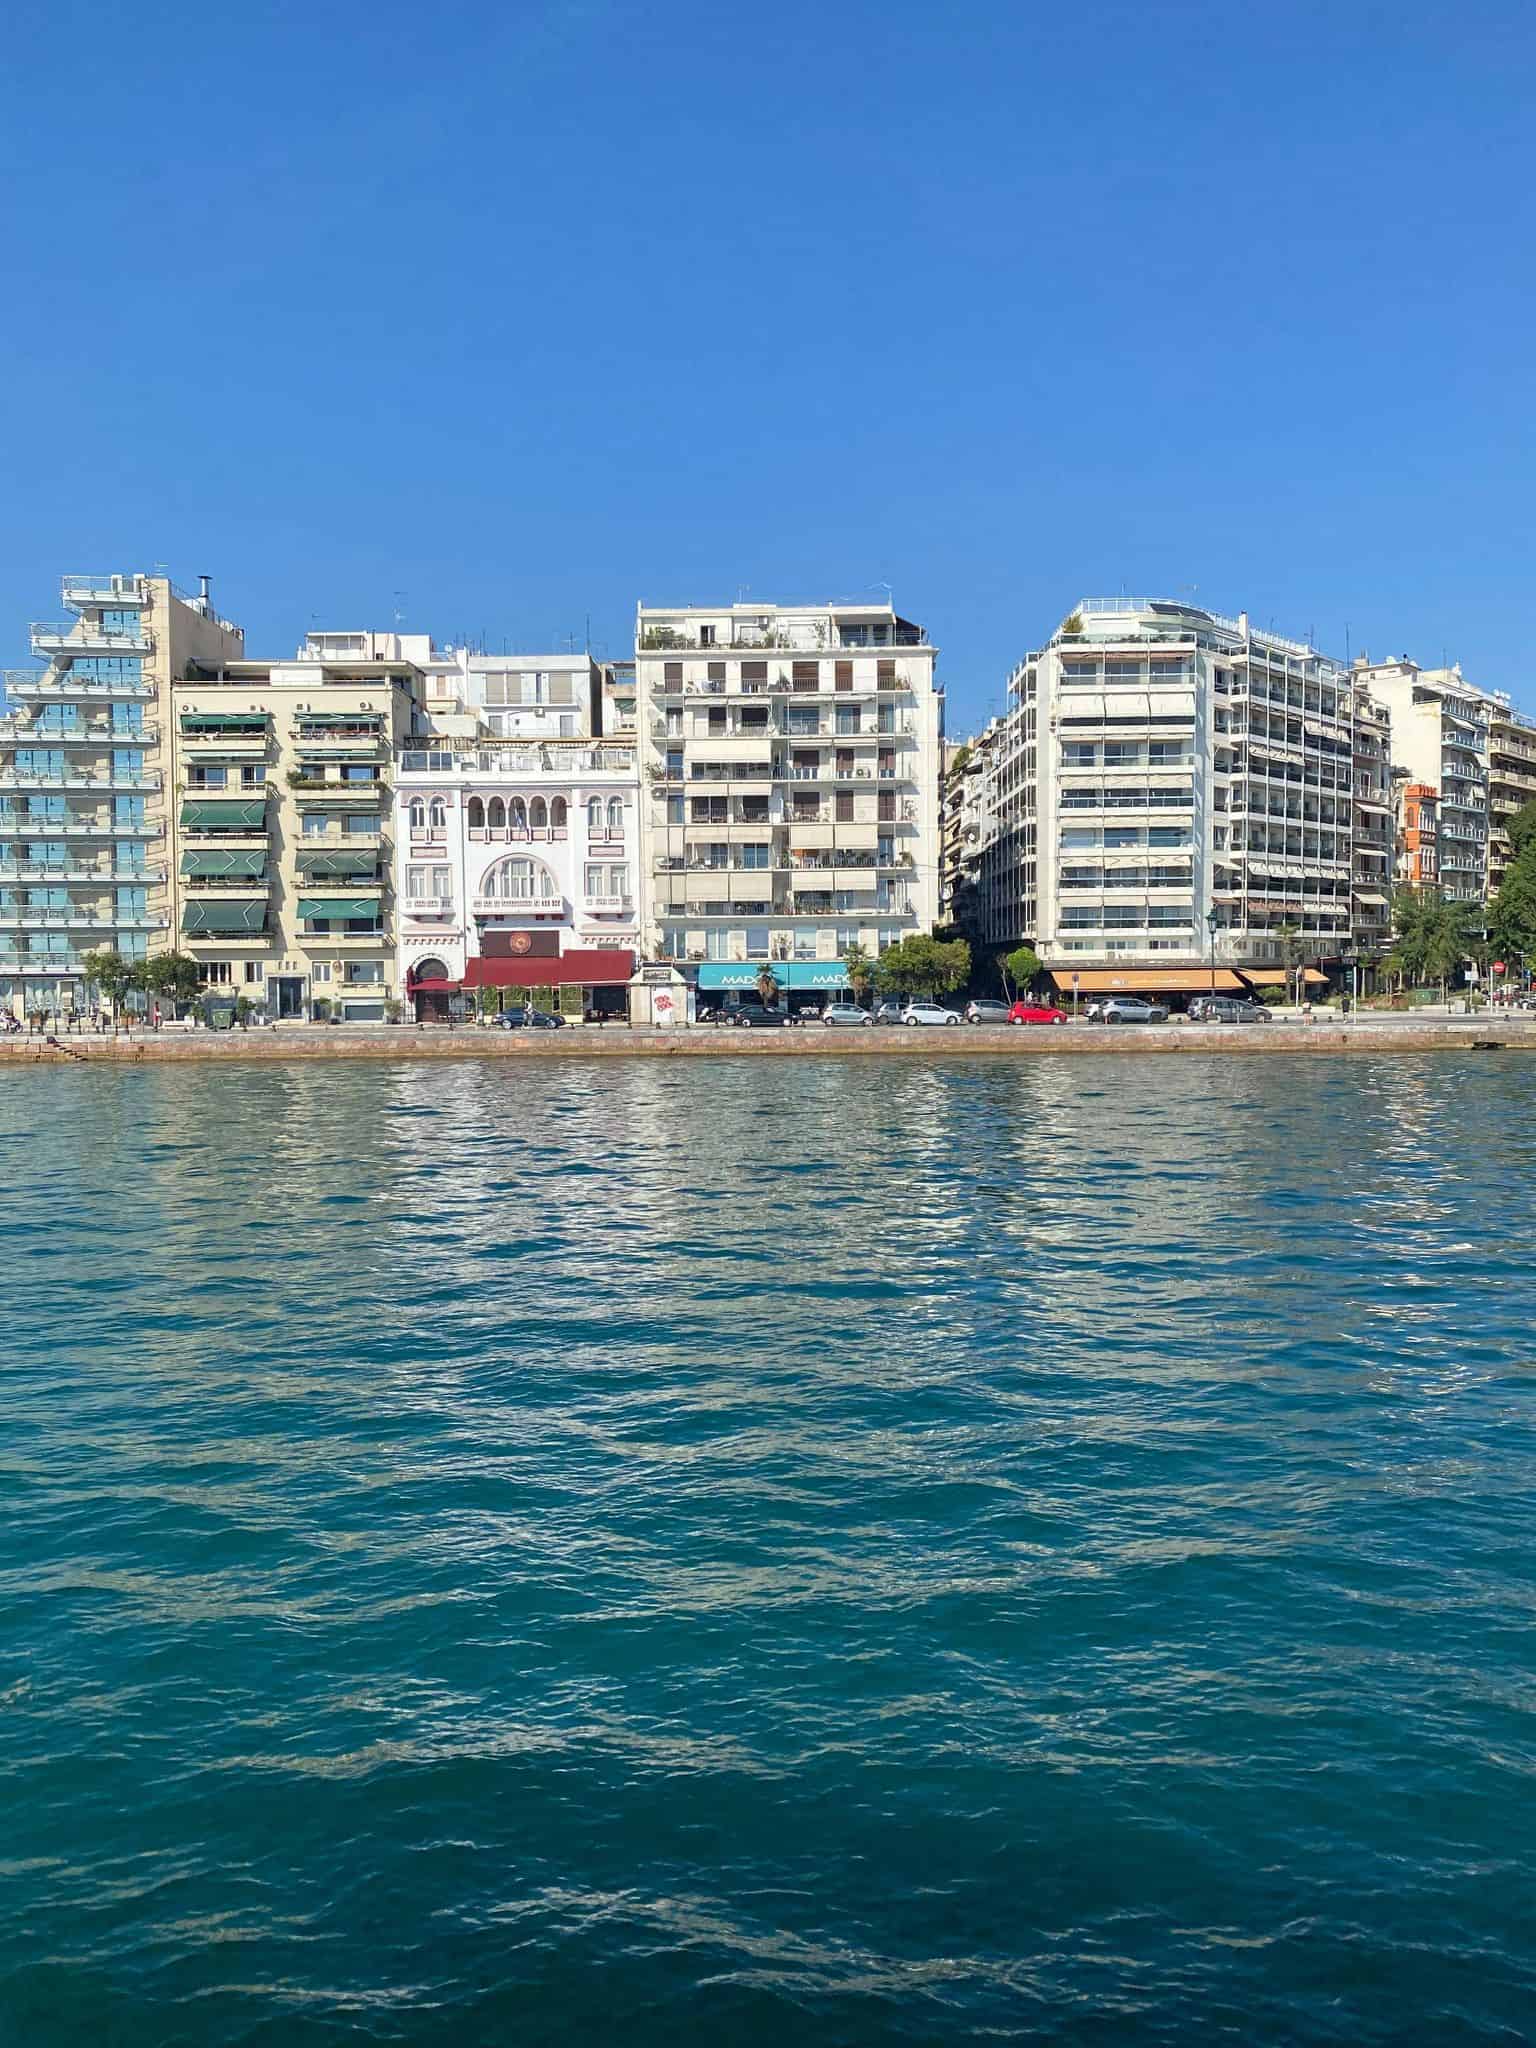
(737, 1551)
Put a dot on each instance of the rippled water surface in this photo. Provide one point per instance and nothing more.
(759, 1552)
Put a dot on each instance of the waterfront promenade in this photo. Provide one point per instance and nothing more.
(406, 1042)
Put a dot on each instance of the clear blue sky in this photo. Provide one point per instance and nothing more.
(527, 311)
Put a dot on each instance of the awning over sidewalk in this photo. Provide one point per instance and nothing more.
(1124, 981)
(789, 974)
(583, 966)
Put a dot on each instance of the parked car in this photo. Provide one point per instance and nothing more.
(1228, 1010)
(889, 1013)
(845, 1014)
(1036, 1013)
(530, 1020)
(1131, 1010)
(929, 1013)
(985, 1011)
(758, 1016)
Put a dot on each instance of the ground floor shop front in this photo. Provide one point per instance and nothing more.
(584, 985)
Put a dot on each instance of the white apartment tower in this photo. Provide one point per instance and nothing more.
(1440, 730)
(791, 759)
(1176, 794)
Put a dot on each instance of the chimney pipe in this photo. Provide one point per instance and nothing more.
(202, 591)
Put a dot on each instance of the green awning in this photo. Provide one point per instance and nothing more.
(217, 919)
(339, 906)
(369, 718)
(224, 721)
(317, 861)
(249, 812)
(211, 864)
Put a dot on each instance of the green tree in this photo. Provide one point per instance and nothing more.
(176, 977)
(116, 977)
(1021, 968)
(859, 969)
(1433, 935)
(1512, 913)
(919, 966)
(962, 756)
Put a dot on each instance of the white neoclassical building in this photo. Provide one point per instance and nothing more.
(516, 873)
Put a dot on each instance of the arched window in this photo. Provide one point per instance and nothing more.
(538, 814)
(439, 815)
(615, 817)
(418, 815)
(430, 969)
(517, 815)
(595, 817)
(476, 815)
(558, 813)
(496, 814)
(519, 880)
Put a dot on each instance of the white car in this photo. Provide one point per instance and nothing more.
(928, 1013)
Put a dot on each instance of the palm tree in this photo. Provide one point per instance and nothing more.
(859, 969)
(767, 985)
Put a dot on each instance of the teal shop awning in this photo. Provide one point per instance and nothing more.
(223, 920)
(789, 974)
(339, 906)
(315, 863)
(227, 813)
(212, 865)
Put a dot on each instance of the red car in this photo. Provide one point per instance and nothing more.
(1036, 1013)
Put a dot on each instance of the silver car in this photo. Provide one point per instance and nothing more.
(929, 1013)
(985, 1011)
(1131, 1010)
(847, 1014)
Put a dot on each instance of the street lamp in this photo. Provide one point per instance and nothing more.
(1212, 920)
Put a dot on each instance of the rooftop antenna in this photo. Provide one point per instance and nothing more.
(877, 585)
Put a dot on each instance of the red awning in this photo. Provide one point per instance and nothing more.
(430, 986)
(590, 965)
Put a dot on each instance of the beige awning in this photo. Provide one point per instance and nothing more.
(1125, 981)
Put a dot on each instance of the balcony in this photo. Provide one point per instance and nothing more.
(10, 778)
(42, 963)
(309, 789)
(24, 685)
(609, 904)
(90, 586)
(529, 909)
(428, 909)
(77, 877)
(79, 918)
(25, 732)
(74, 637)
(76, 828)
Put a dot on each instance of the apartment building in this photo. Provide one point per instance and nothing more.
(516, 873)
(1511, 779)
(85, 778)
(283, 771)
(1418, 840)
(791, 759)
(1440, 734)
(1374, 848)
(1174, 793)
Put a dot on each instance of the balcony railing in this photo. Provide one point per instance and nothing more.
(82, 636)
(24, 684)
(11, 778)
(608, 902)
